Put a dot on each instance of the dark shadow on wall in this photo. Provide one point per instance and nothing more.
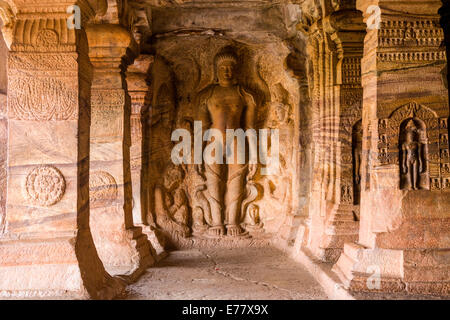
(444, 11)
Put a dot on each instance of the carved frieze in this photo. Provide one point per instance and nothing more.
(107, 113)
(410, 40)
(42, 98)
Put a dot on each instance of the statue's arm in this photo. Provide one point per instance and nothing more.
(202, 114)
(250, 123)
(250, 112)
(201, 107)
(404, 156)
(420, 150)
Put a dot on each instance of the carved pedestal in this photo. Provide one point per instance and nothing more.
(47, 248)
(405, 218)
(121, 246)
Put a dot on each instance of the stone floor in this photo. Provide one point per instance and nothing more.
(227, 274)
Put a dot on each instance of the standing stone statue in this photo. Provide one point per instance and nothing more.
(412, 156)
(226, 105)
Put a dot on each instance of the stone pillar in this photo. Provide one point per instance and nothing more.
(403, 241)
(335, 48)
(138, 89)
(47, 247)
(346, 31)
(137, 78)
(121, 246)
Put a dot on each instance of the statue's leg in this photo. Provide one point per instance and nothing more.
(410, 175)
(415, 175)
(215, 186)
(234, 196)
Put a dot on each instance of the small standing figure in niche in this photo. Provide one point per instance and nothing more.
(412, 156)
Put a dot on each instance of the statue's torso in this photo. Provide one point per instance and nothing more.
(225, 107)
(412, 149)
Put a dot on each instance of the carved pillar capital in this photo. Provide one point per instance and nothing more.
(109, 44)
(347, 30)
(33, 25)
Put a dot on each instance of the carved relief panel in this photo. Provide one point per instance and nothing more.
(211, 201)
(410, 138)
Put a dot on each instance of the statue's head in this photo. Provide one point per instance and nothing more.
(411, 130)
(226, 67)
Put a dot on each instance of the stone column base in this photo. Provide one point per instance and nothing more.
(51, 268)
(126, 254)
(156, 242)
(391, 271)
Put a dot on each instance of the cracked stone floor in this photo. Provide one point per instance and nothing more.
(227, 274)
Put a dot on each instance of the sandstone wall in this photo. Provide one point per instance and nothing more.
(3, 127)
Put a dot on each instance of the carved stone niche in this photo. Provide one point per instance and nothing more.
(410, 139)
(187, 211)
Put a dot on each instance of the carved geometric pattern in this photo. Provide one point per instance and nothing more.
(403, 41)
(45, 186)
(102, 188)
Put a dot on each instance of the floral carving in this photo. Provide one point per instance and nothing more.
(45, 186)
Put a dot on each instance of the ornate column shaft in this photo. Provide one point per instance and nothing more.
(344, 113)
(406, 171)
(47, 247)
(121, 246)
(138, 89)
(337, 107)
(137, 78)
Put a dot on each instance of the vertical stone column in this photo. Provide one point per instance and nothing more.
(138, 89)
(122, 247)
(335, 47)
(403, 241)
(342, 207)
(317, 205)
(47, 247)
(137, 78)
